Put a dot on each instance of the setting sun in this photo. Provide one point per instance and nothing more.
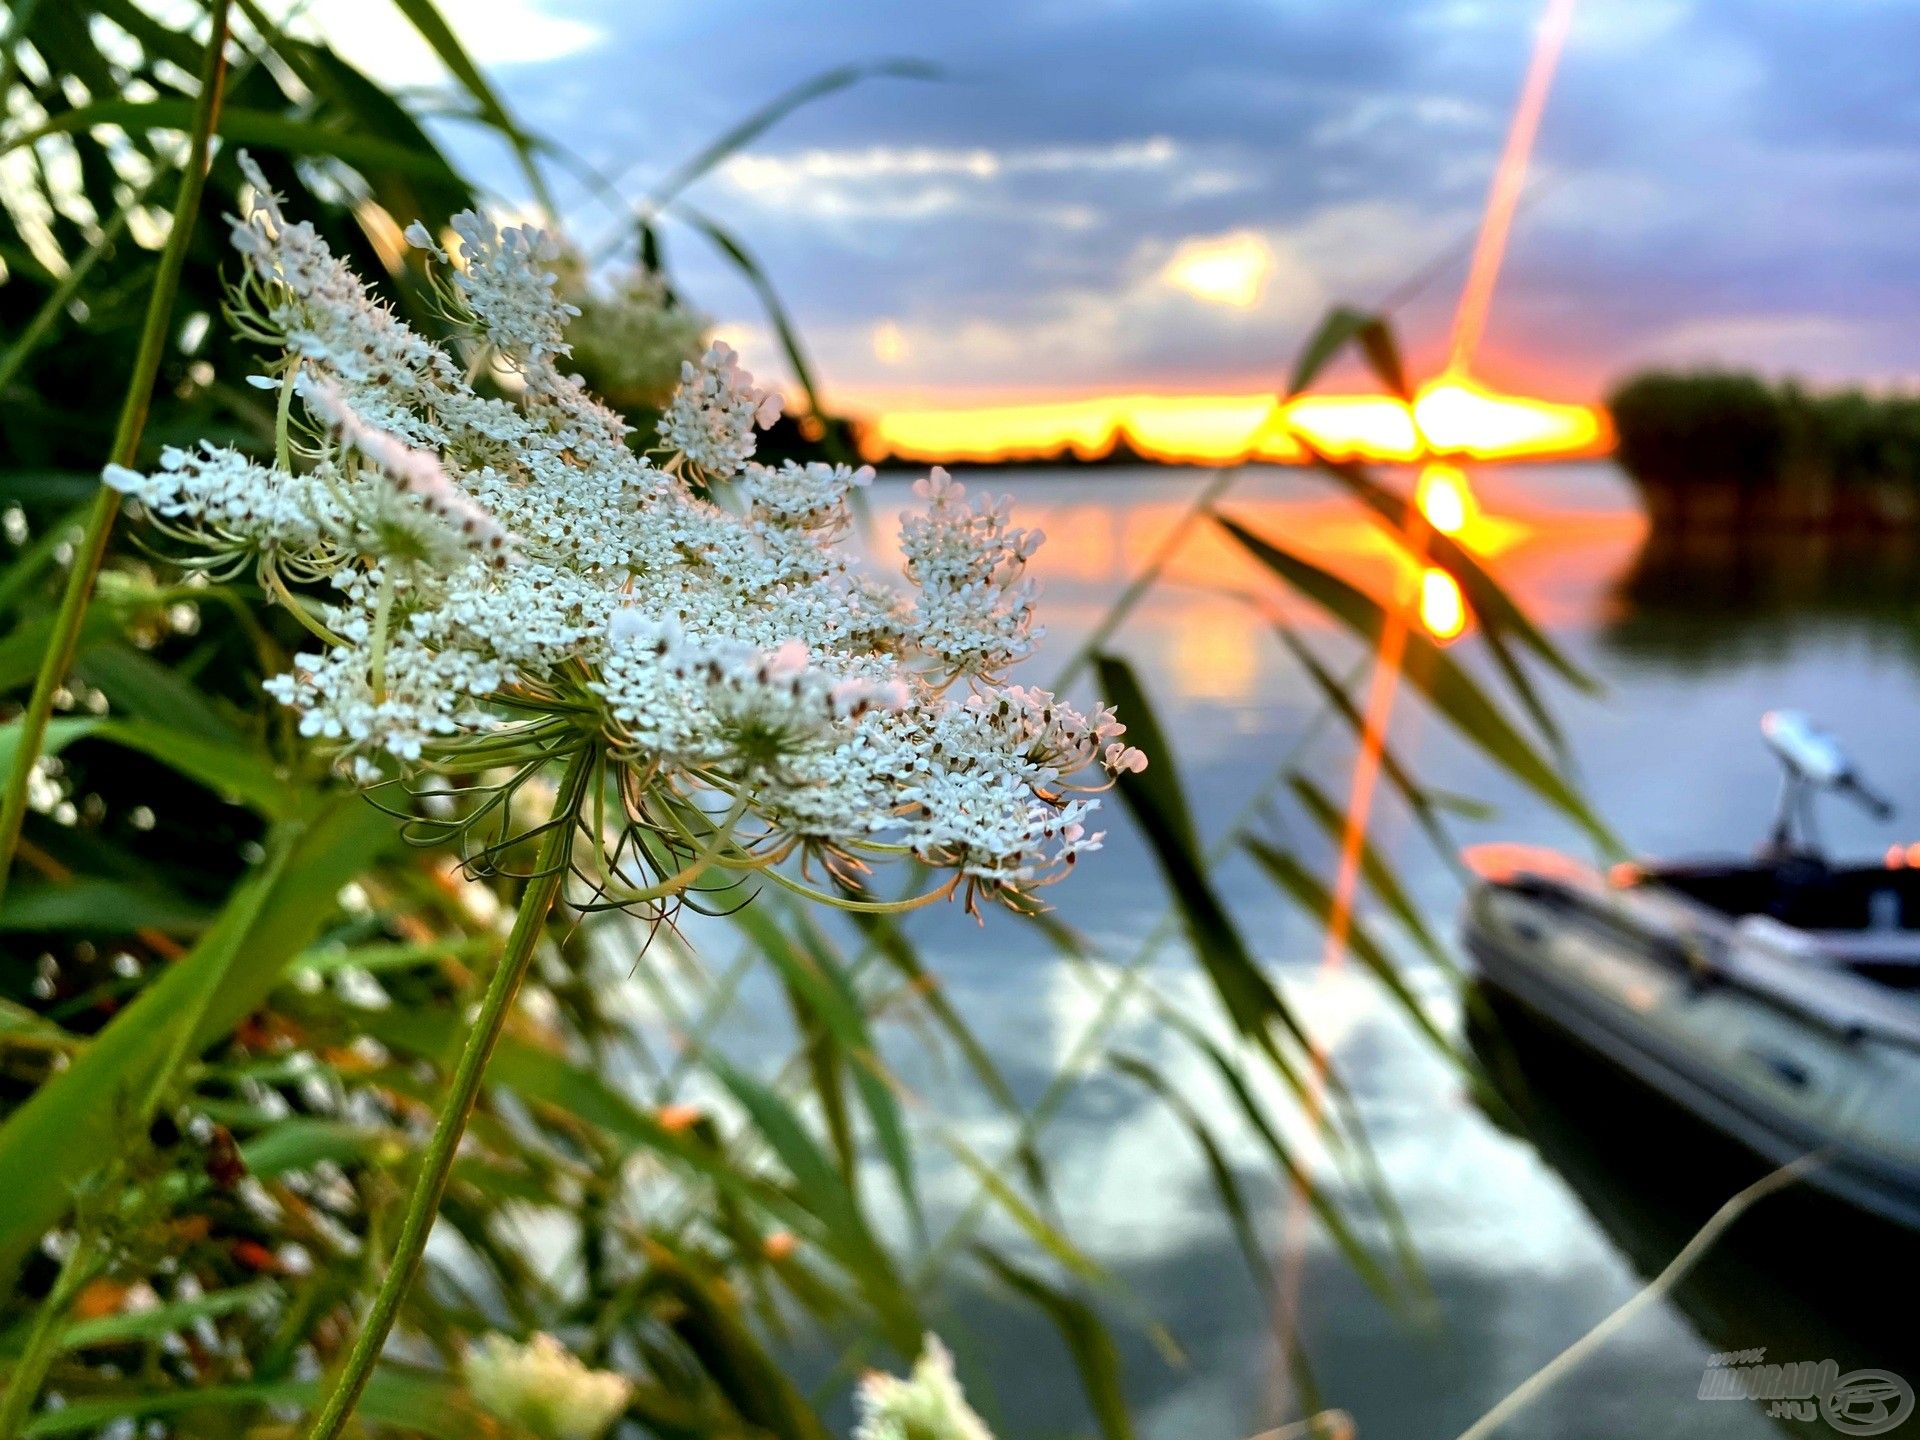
(1451, 416)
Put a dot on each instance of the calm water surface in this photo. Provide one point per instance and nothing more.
(1527, 1240)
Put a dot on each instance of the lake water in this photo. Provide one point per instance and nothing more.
(1527, 1240)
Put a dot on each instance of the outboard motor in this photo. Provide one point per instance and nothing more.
(1813, 761)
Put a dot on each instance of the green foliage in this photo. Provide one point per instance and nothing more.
(1770, 453)
(232, 996)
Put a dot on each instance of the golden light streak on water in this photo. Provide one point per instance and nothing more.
(1443, 610)
(1443, 497)
(1439, 606)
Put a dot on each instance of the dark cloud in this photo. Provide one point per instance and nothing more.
(1732, 180)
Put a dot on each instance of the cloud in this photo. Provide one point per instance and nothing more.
(918, 182)
(881, 162)
(377, 37)
(1228, 270)
(1698, 163)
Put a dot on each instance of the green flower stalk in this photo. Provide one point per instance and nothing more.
(436, 1163)
(91, 551)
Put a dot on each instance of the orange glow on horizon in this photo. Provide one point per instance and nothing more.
(1456, 416)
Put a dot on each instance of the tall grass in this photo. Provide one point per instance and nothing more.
(235, 999)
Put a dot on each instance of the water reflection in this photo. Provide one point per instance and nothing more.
(1717, 600)
(1798, 1276)
(1531, 1238)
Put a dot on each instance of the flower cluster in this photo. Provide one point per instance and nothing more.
(709, 423)
(927, 1405)
(631, 337)
(975, 610)
(543, 1389)
(494, 577)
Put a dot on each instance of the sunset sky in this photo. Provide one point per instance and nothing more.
(1163, 195)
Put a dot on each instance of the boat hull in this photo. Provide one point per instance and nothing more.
(1652, 1043)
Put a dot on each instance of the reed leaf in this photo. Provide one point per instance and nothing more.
(1312, 895)
(1326, 1207)
(1086, 1337)
(1497, 611)
(737, 137)
(239, 126)
(1454, 693)
(1374, 869)
(1226, 1183)
(1346, 326)
(78, 1121)
(870, 1266)
(1156, 801)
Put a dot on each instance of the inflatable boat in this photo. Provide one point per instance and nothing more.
(1776, 998)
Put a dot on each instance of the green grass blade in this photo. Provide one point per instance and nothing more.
(1496, 610)
(77, 1121)
(1346, 326)
(431, 25)
(1156, 801)
(90, 904)
(736, 137)
(1086, 1337)
(1424, 804)
(1454, 693)
(1379, 875)
(1226, 1183)
(1324, 1206)
(261, 128)
(870, 1266)
(1307, 891)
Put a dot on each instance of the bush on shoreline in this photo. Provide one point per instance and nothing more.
(1726, 448)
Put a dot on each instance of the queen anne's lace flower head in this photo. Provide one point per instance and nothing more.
(709, 423)
(492, 579)
(927, 1405)
(810, 497)
(631, 335)
(975, 609)
(541, 1388)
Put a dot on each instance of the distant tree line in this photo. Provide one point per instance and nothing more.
(1721, 448)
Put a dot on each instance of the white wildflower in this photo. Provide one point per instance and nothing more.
(491, 576)
(225, 503)
(543, 1388)
(927, 1405)
(506, 282)
(810, 497)
(710, 421)
(975, 611)
(418, 473)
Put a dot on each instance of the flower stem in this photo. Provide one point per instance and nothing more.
(382, 612)
(65, 639)
(283, 420)
(437, 1162)
(30, 1370)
